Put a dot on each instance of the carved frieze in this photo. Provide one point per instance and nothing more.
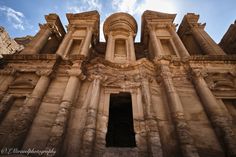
(122, 77)
(221, 81)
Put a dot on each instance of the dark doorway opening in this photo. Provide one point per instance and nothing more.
(120, 125)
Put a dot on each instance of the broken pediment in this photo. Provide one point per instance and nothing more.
(152, 15)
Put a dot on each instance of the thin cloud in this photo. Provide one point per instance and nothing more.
(84, 5)
(137, 7)
(14, 17)
(169, 6)
(125, 6)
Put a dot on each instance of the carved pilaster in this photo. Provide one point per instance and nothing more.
(5, 105)
(179, 44)
(87, 41)
(153, 137)
(91, 121)
(140, 129)
(109, 51)
(8, 75)
(205, 42)
(65, 42)
(157, 47)
(131, 46)
(186, 141)
(24, 119)
(218, 117)
(39, 40)
(59, 127)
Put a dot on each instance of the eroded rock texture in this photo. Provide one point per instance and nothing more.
(66, 94)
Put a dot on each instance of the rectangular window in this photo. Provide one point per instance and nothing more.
(167, 47)
(75, 47)
(120, 48)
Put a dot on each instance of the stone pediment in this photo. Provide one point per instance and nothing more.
(24, 40)
(152, 15)
(90, 15)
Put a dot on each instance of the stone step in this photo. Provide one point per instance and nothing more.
(121, 152)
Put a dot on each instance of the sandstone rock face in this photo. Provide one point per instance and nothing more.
(8, 45)
(67, 95)
(228, 42)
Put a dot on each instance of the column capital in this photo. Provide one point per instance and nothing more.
(93, 77)
(172, 26)
(44, 72)
(164, 72)
(196, 72)
(151, 27)
(197, 25)
(77, 73)
(46, 26)
(8, 71)
(71, 28)
(89, 28)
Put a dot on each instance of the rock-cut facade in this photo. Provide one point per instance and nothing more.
(173, 94)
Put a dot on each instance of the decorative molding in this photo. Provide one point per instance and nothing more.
(8, 71)
(44, 72)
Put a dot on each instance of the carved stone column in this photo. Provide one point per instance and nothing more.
(8, 75)
(87, 42)
(140, 127)
(131, 46)
(39, 40)
(109, 51)
(218, 117)
(65, 42)
(183, 52)
(156, 44)
(205, 42)
(90, 125)
(59, 127)
(25, 117)
(186, 141)
(5, 105)
(154, 143)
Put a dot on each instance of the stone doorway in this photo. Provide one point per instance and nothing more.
(120, 125)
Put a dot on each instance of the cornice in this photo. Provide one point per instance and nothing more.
(30, 57)
(127, 66)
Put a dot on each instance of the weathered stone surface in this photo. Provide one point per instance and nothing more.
(58, 93)
(8, 45)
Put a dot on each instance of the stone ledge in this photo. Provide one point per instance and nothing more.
(30, 56)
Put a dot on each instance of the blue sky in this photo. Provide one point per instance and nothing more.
(21, 17)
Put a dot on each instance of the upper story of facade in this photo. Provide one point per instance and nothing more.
(158, 37)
